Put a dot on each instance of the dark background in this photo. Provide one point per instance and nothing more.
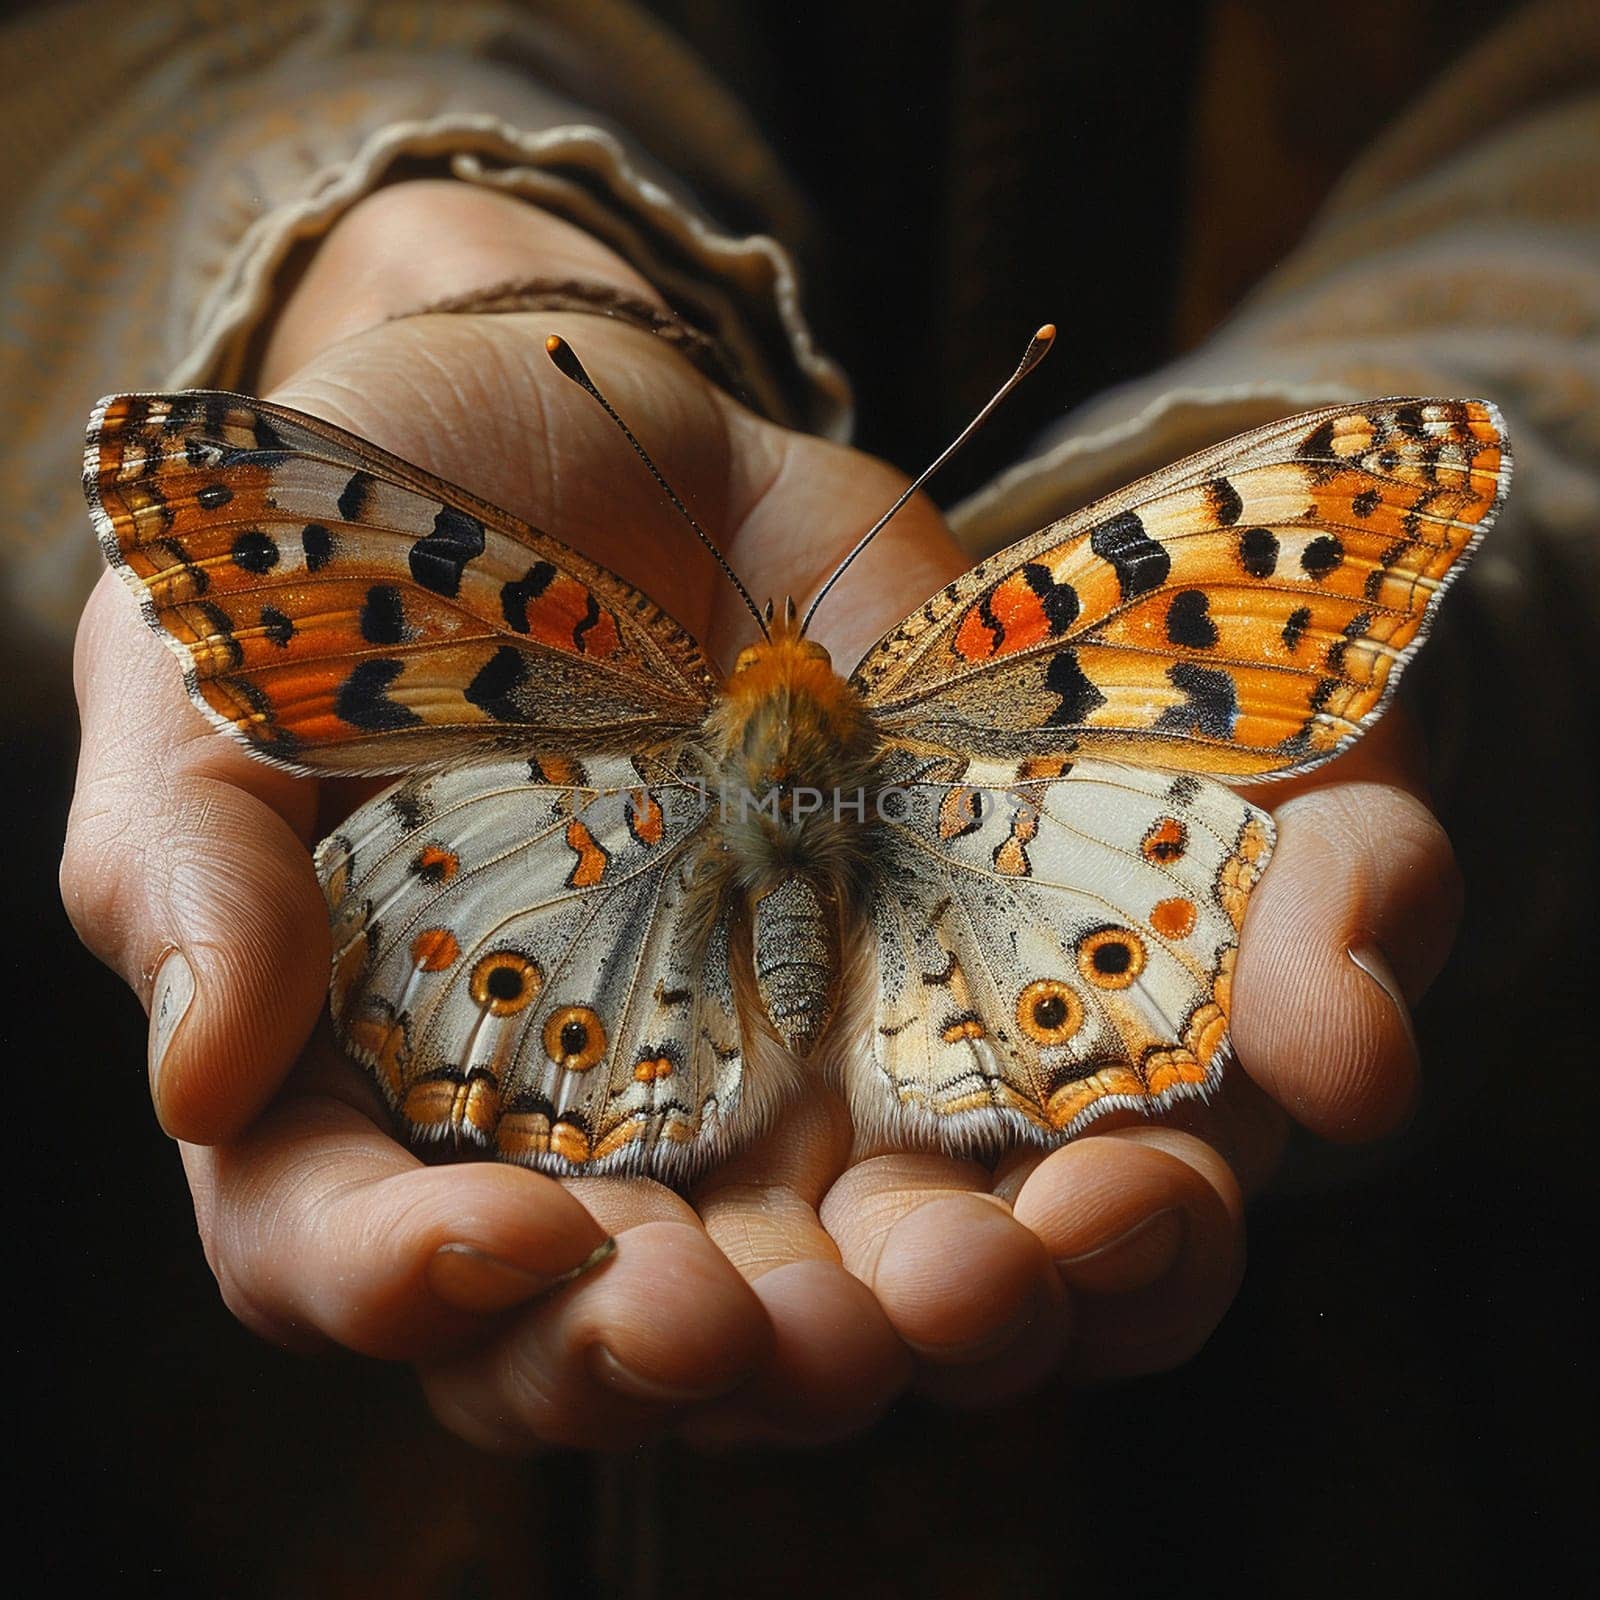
(1399, 1399)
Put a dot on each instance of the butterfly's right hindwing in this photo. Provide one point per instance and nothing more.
(1051, 950)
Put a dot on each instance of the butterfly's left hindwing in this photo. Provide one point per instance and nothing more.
(1052, 949)
(522, 961)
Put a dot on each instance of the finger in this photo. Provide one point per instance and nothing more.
(1146, 1227)
(1350, 923)
(666, 1327)
(185, 869)
(836, 1361)
(966, 1285)
(320, 1227)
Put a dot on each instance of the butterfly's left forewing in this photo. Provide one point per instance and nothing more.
(524, 963)
(340, 610)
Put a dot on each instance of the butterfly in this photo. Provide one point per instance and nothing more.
(620, 909)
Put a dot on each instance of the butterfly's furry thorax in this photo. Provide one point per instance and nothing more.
(792, 750)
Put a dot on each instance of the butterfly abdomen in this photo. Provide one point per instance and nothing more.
(795, 950)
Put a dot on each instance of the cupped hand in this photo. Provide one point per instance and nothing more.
(801, 1286)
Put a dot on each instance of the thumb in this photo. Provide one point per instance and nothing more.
(185, 870)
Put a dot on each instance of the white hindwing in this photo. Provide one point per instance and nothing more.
(1049, 950)
(526, 968)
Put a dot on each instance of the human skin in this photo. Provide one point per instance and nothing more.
(798, 1288)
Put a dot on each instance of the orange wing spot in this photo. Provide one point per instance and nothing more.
(651, 1068)
(959, 812)
(436, 864)
(434, 949)
(522, 1134)
(1166, 1069)
(1165, 842)
(1111, 958)
(1049, 1012)
(1011, 858)
(1174, 919)
(567, 617)
(974, 640)
(557, 771)
(962, 1028)
(590, 866)
(1009, 618)
(1072, 1099)
(569, 1141)
(505, 982)
(645, 821)
(1044, 767)
(470, 1107)
(381, 1043)
(574, 1038)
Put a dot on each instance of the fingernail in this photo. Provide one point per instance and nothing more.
(1375, 964)
(170, 998)
(473, 1280)
(615, 1374)
(1134, 1259)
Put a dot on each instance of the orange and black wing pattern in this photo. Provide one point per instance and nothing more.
(341, 610)
(1245, 613)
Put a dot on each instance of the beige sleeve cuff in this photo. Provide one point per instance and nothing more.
(169, 185)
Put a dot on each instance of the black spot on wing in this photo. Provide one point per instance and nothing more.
(277, 626)
(438, 558)
(1408, 420)
(493, 687)
(1258, 552)
(264, 732)
(1189, 620)
(1059, 601)
(317, 543)
(1295, 627)
(198, 576)
(1139, 562)
(1183, 789)
(1079, 697)
(515, 596)
(382, 621)
(1223, 501)
(354, 496)
(363, 698)
(1210, 702)
(591, 615)
(1318, 444)
(1354, 629)
(1323, 555)
(222, 637)
(214, 496)
(410, 804)
(255, 551)
(1365, 503)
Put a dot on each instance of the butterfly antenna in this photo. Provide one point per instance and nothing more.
(567, 363)
(1038, 349)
